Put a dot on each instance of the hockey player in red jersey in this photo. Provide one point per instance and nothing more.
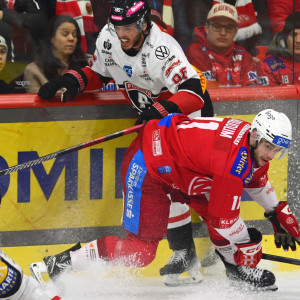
(207, 163)
(150, 67)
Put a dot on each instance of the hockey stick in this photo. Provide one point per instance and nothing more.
(282, 259)
(39, 160)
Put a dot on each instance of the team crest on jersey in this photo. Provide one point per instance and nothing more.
(107, 45)
(162, 52)
(200, 185)
(128, 70)
(140, 98)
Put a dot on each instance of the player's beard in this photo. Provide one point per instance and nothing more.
(137, 43)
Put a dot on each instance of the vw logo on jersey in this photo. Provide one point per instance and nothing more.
(128, 70)
(162, 52)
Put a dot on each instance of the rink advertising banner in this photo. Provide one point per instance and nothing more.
(80, 189)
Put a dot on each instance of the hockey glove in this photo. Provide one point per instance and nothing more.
(158, 110)
(286, 227)
(74, 82)
(249, 254)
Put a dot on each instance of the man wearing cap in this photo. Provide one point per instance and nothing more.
(214, 52)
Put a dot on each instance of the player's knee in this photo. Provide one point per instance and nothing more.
(130, 251)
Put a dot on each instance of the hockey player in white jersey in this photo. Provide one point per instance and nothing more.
(15, 285)
(150, 67)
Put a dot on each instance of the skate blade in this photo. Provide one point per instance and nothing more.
(247, 286)
(36, 270)
(173, 280)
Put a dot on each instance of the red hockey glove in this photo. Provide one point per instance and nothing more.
(75, 81)
(285, 226)
(158, 110)
(249, 254)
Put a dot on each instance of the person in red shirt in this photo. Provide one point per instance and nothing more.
(279, 10)
(207, 163)
(281, 66)
(214, 52)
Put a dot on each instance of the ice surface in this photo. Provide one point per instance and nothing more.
(122, 283)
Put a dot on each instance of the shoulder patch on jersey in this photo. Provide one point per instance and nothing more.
(166, 121)
(162, 52)
(128, 70)
(204, 49)
(240, 164)
(275, 63)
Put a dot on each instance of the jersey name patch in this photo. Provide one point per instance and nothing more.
(230, 127)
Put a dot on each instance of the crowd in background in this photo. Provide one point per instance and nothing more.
(257, 48)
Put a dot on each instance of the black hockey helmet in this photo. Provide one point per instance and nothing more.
(126, 12)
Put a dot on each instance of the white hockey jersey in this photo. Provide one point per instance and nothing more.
(158, 68)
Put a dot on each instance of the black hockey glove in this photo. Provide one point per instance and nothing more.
(158, 110)
(74, 81)
(285, 225)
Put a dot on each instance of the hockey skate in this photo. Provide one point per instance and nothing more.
(182, 261)
(254, 278)
(53, 265)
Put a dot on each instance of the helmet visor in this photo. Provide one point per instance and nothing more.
(282, 142)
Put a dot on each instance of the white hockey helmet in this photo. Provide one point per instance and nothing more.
(275, 127)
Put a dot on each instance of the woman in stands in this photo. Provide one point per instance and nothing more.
(59, 51)
(281, 66)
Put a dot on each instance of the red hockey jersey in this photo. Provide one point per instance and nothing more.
(204, 156)
(277, 70)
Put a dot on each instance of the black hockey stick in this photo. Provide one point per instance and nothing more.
(282, 259)
(39, 160)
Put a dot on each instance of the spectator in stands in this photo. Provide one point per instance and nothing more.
(60, 50)
(24, 21)
(279, 10)
(4, 87)
(214, 52)
(82, 12)
(282, 63)
(253, 21)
